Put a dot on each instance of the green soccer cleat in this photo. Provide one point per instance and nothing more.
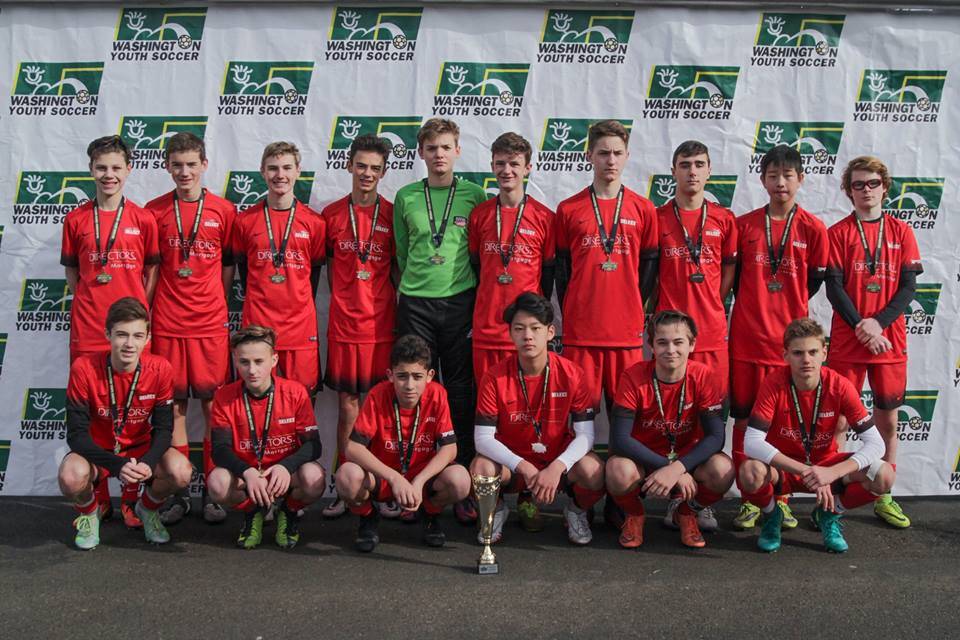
(288, 528)
(747, 517)
(789, 520)
(88, 530)
(832, 530)
(153, 529)
(251, 535)
(770, 525)
(887, 509)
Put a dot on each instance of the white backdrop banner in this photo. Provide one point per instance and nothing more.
(835, 85)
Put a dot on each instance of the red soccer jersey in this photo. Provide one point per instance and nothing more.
(500, 403)
(292, 418)
(88, 387)
(288, 306)
(534, 246)
(702, 394)
(376, 426)
(701, 301)
(604, 308)
(362, 311)
(774, 413)
(194, 306)
(134, 248)
(760, 316)
(899, 254)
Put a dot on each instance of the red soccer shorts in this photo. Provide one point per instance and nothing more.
(792, 483)
(485, 358)
(719, 363)
(602, 368)
(103, 473)
(200, 365)
(302, 365)
(356, 368)
(888, 380)
(745, 380)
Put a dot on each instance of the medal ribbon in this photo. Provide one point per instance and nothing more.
(670, 435)
(363, 254)
(118, 423)
(607, 240)
(777, 258)
(185, 245)
(406, 449)
(694, 249)
(506, 256)
(103, 254)
(536, 418)
(259, 446)
(806, 435)
(872, 259)
(437, 236)
(279, 256)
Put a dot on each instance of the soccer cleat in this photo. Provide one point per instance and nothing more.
(668, 521)
(832, 530)
(530, 518)
(747, 517)
(707, 520)
(887, 509)
(612, 514)
(288, 528)
(789, 520)
(499, 519)
(770, 525)
(690, 534)
(335, 509)
(175, 510)
(130, 518)
(465, 511)
(88, 530)
(433, 535)
(578, 526)
(389, 509)
(367, 538)
(213, 513)
(153, 529)
(631, 534)
(252, 532)
(815, 519)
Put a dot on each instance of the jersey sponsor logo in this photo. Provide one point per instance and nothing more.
(522, 252)
(953, 484)
(44, 414)
(826, 414)
(718, 189)
(400, 131)
(899, 95)
(817, 142)
(526, 232)
(585, 37)
(460, 221)
(5, 446)
(373, 34)
(797, 40)
(56, 89)
(628, 222)
(424, 443)
(713, 233)
(147, 136)
(274, 442)
(46, 197)
(382, 229)
(799, 245)
(235, 305)
(788, 432)
(922, 310)
(563, 144)
(621, 244)
(290, 255)
(44, 305)
(480, 89)
(159, 34)
(137, 414)
(117, 254)
(286, 420)
(147, 396)
(247, 188)
(659, 425)
(262, 88)
(351, 246)
(690, 92)
(212, 223)
(914, 200)
(558, 394)
(914, 417)
(302, 234)
(131, 231)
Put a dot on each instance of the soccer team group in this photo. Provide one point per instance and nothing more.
(448, 283)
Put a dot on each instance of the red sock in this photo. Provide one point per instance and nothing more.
(207, 457)
(245, 505)
(130, 492)
(630, 502)
(150, 502)
(586, 498)
(761, 498)
(854, 495)
(295, 505)
(362, 510)
(88, 508)
(784, 498)
(705, 497)
(431, 507)
(184, 449)
(101, 491)
(340, 459)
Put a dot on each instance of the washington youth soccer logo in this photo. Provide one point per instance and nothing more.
(56, 89)
(44, 414)
(246, 188)
(373, 33)
(922, 311)
(44, 305)
(914, 417)
(914, 200)
(889, 95)
(159, 34)
(235, 305)
(563, 144)
(718, 189)
(585, 37)
(265, 88)
(953, 484)
(480, 89)
(817, 142)
(46, 197)
(400, 131)
(147, 136)
(797, 40)
(690, 92)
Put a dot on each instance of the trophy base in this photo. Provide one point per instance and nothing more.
(488, 569)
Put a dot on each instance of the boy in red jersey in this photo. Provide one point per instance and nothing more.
(525, 407)
(119, 422)
(109, 251)
(791, 440)
(190, 303)
(871, 280)
(667, 433)
(279, 245)
(512, 249)
(265, 442)
(361, 251)
(782, 258)
(403, 448)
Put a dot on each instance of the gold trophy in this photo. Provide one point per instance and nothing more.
(487, 489)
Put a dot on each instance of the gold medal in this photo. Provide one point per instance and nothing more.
(773, 286)
(873, 287)
(437, 259)
(104, 278)
(672, 456)
(505, 278)
(608, 265)
(363, 274)
(184, 272)
(278, 278)
(697, 277)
